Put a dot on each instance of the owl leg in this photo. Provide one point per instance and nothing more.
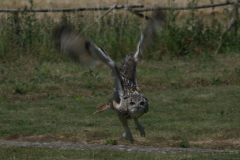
(127, 135)
(139, 127)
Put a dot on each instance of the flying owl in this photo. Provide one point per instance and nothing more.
(126, 101)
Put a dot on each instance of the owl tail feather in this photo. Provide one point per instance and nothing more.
(103, 108)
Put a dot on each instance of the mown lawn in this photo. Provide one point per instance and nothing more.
(193, 103)
(39, 153)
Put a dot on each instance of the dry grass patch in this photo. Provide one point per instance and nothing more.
(83, 3)
(74, 3)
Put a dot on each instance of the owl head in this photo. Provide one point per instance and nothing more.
(136, 104)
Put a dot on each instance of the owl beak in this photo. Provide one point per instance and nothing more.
(138, 107)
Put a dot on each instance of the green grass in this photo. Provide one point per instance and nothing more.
(193, 103)
(40, 153)
(191, 115)
(48, 80)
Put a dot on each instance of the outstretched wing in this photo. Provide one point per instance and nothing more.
(84, 51)
(149, 32)
(128, 67)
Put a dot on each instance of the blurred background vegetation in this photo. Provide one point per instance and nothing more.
(118, 33)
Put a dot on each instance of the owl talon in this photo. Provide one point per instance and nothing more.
(142, 131)
(128, 136)
(139, 127)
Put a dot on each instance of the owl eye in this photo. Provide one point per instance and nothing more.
(132, 103)
(142, 103)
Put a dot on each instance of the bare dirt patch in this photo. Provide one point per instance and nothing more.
(218, 144)
(125, 148)
(227, 144)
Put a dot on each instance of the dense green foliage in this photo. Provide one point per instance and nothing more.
(118, 33)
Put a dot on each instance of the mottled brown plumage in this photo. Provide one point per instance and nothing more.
(127, 100)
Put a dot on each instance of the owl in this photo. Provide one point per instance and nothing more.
(127, 101)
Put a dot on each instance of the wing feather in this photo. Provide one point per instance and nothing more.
(150, 32)
(82, 50)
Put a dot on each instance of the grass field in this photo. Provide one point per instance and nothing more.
(193, 103)
(50, 154)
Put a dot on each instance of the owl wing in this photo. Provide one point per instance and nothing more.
(128, 67)
(84, 51)
(149, 32)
